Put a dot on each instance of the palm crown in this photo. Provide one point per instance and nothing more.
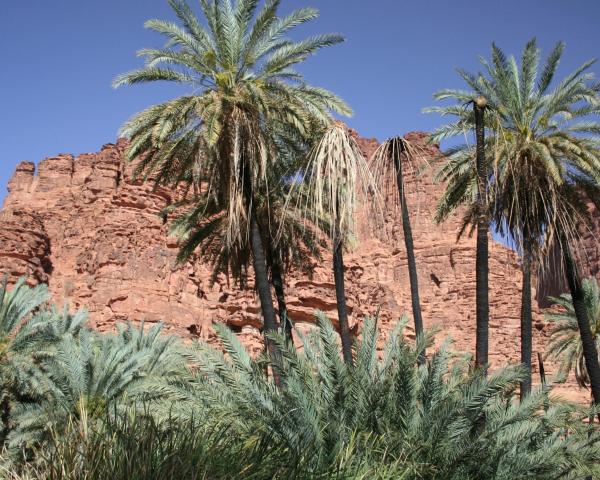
(539, 143)
(247, 101)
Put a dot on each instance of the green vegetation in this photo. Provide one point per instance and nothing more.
(249, 111)
(387, 167)
(565, 343)
(141, 405)
(269, 179)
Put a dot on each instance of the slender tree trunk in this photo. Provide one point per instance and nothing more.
(526, 322)
(590, 354)
(481, 262)
(277, 280)
(261, 274)
(5, 413)
(410, 252)
(340, 293)
(262, 277)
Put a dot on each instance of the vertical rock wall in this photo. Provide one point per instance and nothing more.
(85, 227)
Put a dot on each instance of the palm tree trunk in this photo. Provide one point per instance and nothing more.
(542, 369)
(262, 277)
(340, 293)
(481, 262)
(277, 280)
(526, 321)
(410, 253)
(261, 274)
(5, 414)
(590, 354)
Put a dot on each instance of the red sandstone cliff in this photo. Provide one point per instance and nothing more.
(82, 225)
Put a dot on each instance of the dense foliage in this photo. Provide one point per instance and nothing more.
(140, 404)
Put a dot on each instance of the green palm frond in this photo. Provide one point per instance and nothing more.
(443, 420)
(540, 132)
(246, 111)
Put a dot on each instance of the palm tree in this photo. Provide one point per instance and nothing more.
(565, 341)
(15, 307)
(389, 156)
(545, 160)
(288, 242)
(336, 175)
(470, 185)
(246, 103)
(292, 244)
(482, 304)
(28, 328)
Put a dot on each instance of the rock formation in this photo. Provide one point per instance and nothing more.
(88, 229)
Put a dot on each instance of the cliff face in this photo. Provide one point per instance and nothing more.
(85, 227)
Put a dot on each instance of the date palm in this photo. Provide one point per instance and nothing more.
(245, 104)
(477, 197)
(544, 163)
(388, 158)
(428, 416)
(86, 371)
(336, 178)
(288, 242)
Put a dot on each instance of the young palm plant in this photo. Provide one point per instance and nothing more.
(420, 421)
(86, 372)
(246, 101)
(389, 157)
(16, 308)
(545, 161)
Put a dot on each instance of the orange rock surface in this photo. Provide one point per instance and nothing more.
(85, 227)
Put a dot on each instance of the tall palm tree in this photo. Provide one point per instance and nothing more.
(471, 187)
(389, 156)
(482, 304)
(544, 164)
(336, 177)
(246, 102)
(565, 341)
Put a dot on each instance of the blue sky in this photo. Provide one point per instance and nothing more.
(60, 57)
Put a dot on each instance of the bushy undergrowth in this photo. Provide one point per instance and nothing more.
(138, 404)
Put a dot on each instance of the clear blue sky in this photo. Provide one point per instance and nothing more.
(60, 56)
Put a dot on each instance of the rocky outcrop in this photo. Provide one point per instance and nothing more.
(94, 234)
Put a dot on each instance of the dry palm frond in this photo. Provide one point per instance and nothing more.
(337, 178)
(382, 165)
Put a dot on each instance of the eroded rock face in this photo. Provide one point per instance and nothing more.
(85, 227)
(553, 281)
